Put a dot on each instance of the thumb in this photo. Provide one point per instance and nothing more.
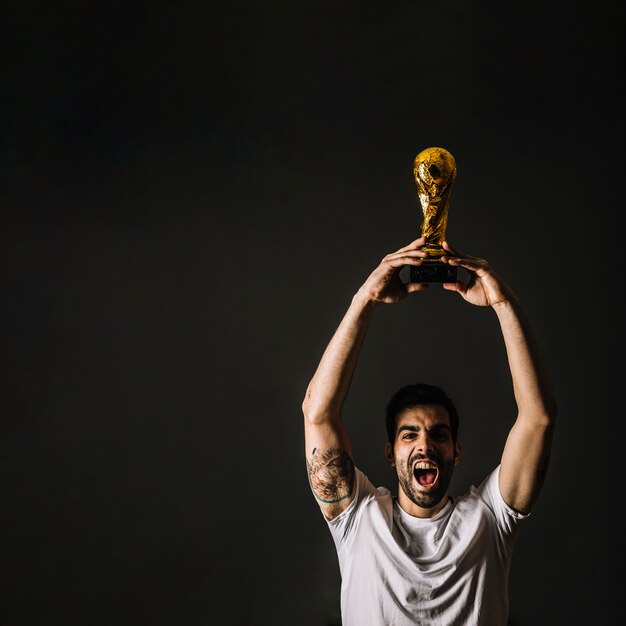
(412, 287)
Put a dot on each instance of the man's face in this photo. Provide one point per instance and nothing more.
(424, 457)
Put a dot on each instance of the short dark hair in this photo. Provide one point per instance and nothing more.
(418, 395)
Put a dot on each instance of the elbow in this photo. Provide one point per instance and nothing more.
(312, 415)
(546, 407)
(540, 414)
(308, 408)
(306, 403)
(315, 412)
(550, 402)
(547, 414)
(551, 409)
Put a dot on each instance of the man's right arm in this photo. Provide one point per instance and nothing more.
(329, 457)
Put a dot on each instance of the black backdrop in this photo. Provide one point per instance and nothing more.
(190, 196)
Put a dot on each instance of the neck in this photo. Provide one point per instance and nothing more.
(408, 506)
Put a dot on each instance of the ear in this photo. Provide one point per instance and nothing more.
(389, 455)
(457, 453)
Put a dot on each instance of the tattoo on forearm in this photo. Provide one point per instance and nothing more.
(331, 473)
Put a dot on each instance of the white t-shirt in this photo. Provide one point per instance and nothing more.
(448, 570)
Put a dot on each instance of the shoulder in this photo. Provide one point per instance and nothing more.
(369, 502)
(366, 494)
(487, 501)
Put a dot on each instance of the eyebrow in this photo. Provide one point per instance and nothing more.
(416, 429)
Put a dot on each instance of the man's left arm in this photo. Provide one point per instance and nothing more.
(527, 450)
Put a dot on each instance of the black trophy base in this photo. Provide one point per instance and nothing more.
(432, 272)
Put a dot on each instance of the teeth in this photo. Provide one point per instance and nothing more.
(425, 465)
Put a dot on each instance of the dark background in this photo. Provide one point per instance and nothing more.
(190, 195)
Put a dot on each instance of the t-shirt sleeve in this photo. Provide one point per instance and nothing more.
(489, 490)
(342, 527)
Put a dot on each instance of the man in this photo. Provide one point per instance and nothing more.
(424, 557)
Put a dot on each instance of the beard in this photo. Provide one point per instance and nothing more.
(407, 482)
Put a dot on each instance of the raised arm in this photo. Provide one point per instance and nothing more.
(527, 450)
(330, 462)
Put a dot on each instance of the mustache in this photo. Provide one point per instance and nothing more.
(423, 457)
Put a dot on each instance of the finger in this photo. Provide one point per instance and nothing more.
(455, 251)
(397, 264)
(472, 264)
(459, 287)
(407, 253)
(414, 244)
(404, 260)
(451, 249)
(413, 287)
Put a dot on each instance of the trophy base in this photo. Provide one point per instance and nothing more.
(433, 272)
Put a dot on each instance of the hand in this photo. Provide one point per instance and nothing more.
(484, 287)
(384, 283)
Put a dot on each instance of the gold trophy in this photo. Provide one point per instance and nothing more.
(434, 171)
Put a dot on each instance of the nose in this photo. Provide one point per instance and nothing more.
(424, 443)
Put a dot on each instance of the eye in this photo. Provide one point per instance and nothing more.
(408, 436)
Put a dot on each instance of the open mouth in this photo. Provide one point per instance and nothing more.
(426, 473)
